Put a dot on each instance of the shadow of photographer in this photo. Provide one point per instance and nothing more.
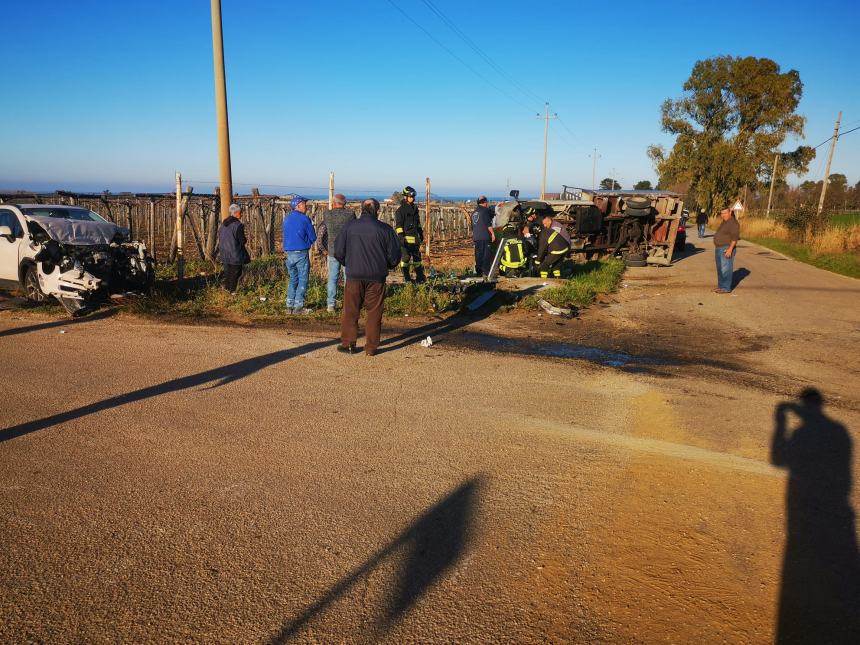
(819, 599)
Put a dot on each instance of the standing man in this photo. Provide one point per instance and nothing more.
(368, 249)
(334, 220)
(232, 248)
(701, 222)
(407, 225)
(725, 242)
(482, 235)
(552, 249)
(299, 235)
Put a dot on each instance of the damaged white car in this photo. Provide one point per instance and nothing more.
(69, 253)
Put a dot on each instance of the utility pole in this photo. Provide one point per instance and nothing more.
(330, 190)
(594, 170)
(546, 118)
(226, 175)
(772, 182)
(829, 159)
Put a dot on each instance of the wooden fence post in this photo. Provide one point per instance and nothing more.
(427, 224)
(152, 227)
(180, 258)
(330, 190)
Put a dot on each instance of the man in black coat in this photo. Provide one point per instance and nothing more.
(232, 249)
(368, 249)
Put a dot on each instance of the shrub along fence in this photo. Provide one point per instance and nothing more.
(151, 218)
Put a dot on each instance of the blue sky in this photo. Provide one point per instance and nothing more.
(119, 95)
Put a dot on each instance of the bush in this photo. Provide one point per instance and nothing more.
(586, 282)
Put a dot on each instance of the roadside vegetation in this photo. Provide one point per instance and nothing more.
(585, 283)
(830, 243)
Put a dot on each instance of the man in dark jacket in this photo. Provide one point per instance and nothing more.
(333, 222)
(368, 249)
(407, 225)
(552, 249)
(701, 222)
(232, 249)
(482, 235)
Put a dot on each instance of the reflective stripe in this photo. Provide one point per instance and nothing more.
(552, 237)
(403, 264)
(398, 230)
(558, 252)
(544, 274)
(511, 262)
(556, 273)
(410, 239)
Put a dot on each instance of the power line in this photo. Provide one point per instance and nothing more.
(455, 56)
(841, 134)
(457, 31)
(575, 138)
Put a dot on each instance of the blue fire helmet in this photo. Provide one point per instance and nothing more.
(298, 199)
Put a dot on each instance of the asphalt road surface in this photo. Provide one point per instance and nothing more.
(180, 483)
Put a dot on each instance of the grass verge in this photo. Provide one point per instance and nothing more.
(847, 263)
(581, 288)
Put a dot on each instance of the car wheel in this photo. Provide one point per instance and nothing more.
(31, 286)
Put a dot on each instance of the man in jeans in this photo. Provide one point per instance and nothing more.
(334, 220)
(368, 249)
(725, 242)
(482, 235)
(701, 222)
(299, 235)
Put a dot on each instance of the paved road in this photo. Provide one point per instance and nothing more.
(164, 483)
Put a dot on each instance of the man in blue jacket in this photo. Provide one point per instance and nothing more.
(368, 249)
(299, 235)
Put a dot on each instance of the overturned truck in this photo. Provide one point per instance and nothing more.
(69, 253)
(639, 226)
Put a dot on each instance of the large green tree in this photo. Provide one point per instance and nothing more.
(610, 184)
(733, 117)
(645, 184)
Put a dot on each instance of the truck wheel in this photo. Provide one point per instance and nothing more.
(638, 202)
(637, 212)
(31, 286)
(635, 260)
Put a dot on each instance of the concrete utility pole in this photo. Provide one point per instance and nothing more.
(772, 182)
(226, 174)
(546, 119)
(829, 159)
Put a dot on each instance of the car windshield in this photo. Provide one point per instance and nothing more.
(63, 212)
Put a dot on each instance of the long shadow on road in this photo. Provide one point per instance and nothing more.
(215, 377)
(819, 600)
(431, 545)
(66, 322)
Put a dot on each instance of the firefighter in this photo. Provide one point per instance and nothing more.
(517, 254)
(552, 249)
(407, 225)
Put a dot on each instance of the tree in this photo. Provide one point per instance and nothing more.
(610, 184)
(642, 185)
(729, 124)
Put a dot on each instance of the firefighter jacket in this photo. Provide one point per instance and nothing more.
(551, 242)
(407, 223)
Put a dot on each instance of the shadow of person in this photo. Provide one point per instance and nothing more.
(738, 276)
(819, 600)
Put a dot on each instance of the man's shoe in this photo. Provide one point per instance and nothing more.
(303, 311)
(370, 352)
(330, 309)
(347, 349)
(718, 290)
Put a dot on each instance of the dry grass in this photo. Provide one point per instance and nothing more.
(833, 239)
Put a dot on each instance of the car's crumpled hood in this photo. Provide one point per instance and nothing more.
(69, 231)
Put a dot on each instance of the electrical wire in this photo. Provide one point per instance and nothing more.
(458, 58)
(462, 36)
